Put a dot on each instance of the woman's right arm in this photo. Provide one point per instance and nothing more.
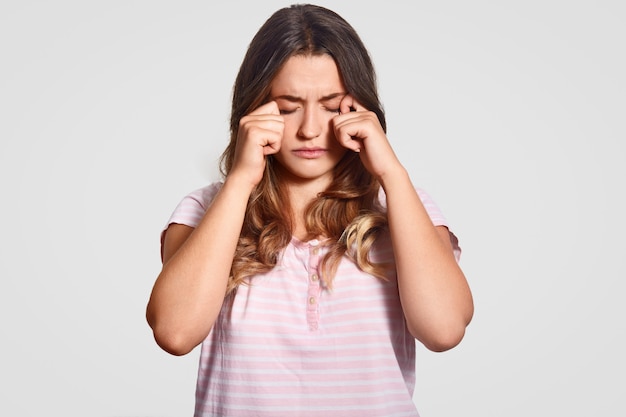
(188, 293)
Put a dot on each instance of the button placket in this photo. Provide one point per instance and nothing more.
(314, 289)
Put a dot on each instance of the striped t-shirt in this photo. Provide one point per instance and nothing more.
(285, 345)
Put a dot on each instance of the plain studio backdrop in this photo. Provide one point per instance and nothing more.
(510, 114)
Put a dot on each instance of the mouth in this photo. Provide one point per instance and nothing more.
(309, 153)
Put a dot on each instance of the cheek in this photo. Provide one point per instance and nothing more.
(291, 127)
(330, 132)
(330, 127)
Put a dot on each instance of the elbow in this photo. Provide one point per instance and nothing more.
(441, 337)
(173, 342)
(448, 332)
(443, 340)
(170, 339)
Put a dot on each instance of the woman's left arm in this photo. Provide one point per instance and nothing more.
(435, 296)
(434, 293)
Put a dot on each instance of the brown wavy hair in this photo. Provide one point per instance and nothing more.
(348, 212)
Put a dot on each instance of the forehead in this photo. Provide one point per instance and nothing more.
(310, 74)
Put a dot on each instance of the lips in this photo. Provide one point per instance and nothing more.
(309, 153)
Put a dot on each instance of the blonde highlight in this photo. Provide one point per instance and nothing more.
(347, 214)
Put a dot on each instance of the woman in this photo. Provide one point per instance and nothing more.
(308, 273)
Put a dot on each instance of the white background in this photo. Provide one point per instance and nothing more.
(511, 114)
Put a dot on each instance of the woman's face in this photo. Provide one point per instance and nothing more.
(308, 90)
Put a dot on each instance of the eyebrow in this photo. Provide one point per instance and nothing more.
(295, 99)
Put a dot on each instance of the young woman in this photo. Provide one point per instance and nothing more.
(310, 270)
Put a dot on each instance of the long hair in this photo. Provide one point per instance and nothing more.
(347, 212)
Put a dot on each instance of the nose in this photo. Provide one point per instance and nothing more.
(311, 124)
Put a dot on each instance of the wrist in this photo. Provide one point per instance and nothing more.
(239, 182)
(393, 177)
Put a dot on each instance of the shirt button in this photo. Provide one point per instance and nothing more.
(315, 251)
(312, 300)
(314, 277)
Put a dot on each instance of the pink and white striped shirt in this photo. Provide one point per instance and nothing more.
(285, 345)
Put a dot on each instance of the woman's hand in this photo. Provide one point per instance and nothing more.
(434, 294)
(359, 129)
(260, 134)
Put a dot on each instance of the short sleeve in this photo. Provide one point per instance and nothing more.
(192, 207)
(435, 214)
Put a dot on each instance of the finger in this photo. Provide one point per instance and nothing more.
(349, 103)
(271, 148)
(347, 134)
(273, 140)
(266, 116)
(267, 108)
(345, 105)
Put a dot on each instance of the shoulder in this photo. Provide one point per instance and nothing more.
(203, 196)
(192, 207)
(434, 212)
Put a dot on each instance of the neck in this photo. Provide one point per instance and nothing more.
(300, 196)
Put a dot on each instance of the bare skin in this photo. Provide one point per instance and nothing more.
(309, 125)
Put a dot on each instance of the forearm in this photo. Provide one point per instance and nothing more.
(435, 297)
(189, 291)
